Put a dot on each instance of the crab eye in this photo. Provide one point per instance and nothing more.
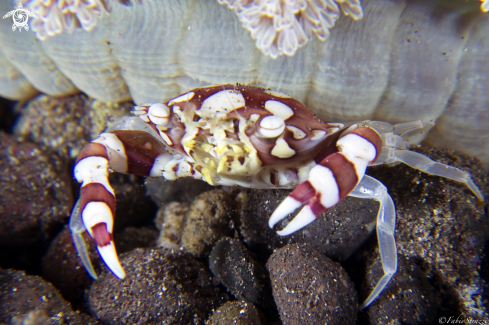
(159, 113)
(271, 126)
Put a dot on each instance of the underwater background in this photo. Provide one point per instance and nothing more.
(195, 253)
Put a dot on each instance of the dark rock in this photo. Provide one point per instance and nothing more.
(26, 298)
(236, 312)
(232, 264)
(21, 293)
(132, 237)
(337, 233)
(63, 268)
(39, 317)
(66, 124)
(35, 196)
(161, 286)
(133, 207)
(195, 230)
(184, 189)
(75, 318)
(309, 288)
(409, 298)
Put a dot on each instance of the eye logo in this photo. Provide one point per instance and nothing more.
(20, 17)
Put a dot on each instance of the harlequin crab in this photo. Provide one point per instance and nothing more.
(252, 137)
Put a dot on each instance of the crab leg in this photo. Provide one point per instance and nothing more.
(126, 151)
(330, 180)
(370, 188)
(393, 151)
(425, 164)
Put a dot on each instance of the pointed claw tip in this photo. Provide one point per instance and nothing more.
(109, 256)
(287, 206)
(305, 217)
(272, 223)
(284, 233)
(366, 303)
(121, 274)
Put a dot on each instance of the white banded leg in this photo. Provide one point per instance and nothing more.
(370, 188)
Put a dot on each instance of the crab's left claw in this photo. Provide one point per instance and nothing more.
(305, 217)
(319, 193)
(296, 198)
(331, 179)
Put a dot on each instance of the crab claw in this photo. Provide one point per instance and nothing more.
(288, 205)
(100, 234)
(305, 217)
(77, 228)
(319, 193)
(305, 192)
(109, 256)
(97, 218)
(95, 210)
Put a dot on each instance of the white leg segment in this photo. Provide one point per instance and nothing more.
(93, 170)
(323, 180)
(425, 164)
(370, 188)
(97, 212)
(396, 140)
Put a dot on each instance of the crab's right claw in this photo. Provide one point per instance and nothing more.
(99, 232)
(77, 228)
(98, 221)
(94, 212)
